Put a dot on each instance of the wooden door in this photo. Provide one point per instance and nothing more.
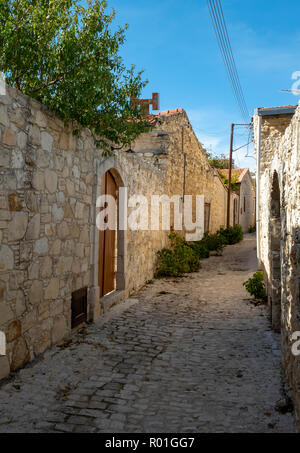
(107, 254)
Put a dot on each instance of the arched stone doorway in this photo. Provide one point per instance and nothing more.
(108, 269)
(275, 251)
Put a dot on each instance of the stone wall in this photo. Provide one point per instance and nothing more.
(193, 175)
(49, 242)
(279, 214)
(48, 185)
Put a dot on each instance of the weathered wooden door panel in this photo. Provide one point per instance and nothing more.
(107, 255)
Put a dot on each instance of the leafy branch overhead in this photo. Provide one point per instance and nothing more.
(67, 56)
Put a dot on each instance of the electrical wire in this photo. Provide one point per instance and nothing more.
(220, 28)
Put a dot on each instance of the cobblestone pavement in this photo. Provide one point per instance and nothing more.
(189, 355)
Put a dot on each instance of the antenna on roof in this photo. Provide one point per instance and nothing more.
(145, 103)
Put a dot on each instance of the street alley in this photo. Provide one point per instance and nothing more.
(188, 355)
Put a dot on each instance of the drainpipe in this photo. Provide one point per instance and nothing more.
(258, 165)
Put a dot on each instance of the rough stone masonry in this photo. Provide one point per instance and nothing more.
(279, 227)
(49, 242)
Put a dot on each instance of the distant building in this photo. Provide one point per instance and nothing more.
(244, 210)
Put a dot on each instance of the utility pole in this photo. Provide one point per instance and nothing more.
(230, 175)
(230, 168)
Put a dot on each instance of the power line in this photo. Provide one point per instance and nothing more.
(226, 51)
(233, 59)
(220, 28)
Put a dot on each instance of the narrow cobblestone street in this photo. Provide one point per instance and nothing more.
(188, 355)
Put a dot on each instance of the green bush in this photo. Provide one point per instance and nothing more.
(214, 242)
(183, 257)
(252, 229)
(178, 260)
(256, 286)
(232, 235)
(201, 249)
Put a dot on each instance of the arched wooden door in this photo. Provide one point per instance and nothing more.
(108, 242)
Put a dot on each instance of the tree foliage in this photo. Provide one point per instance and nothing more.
(66, 56)
(220, 162)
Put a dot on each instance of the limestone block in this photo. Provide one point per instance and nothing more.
(34, 135)
(41, 246)
(61, 185)
(84, 236)
(42, 342)
(57, 213)
(55, 248)
(51, 181)
(14, 331)
(68, 213)
(21, 140)
(76, 172)
(38, 180)
(3, 116)
(52, 290)
(46, 267)
(6, 259)
(9, 138)
(79, 210)
(17, 227)
(5, 215)
(6, 313)
(18, 117)
(20, 354)
(17, 159)
(41, 119)
(76, 267)
(35, 294)
(14, 202)
(50, 229)
(29, 320)
(42, 158)
(20, 305)
(4, 158)
(33, 230)
(33, 271)
(47, 141)
(60, 197)
(60, 329)
(75, 231)
(4, 367)
(70, 188)
(63, 230)
(64, 141)
(80, 250)
(64, 265)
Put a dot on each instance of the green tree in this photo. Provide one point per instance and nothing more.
(66, 56)
(219, 162)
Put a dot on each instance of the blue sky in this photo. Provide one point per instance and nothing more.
(174, 42)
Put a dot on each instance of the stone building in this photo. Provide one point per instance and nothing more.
(56, 269)
(244, 207)
(277, 144)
